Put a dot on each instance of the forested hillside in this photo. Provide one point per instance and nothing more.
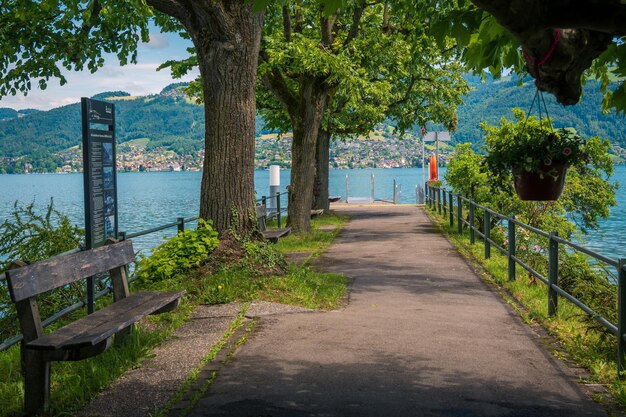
(494, 99)
(169, 122)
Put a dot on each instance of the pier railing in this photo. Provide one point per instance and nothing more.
(451, 206)
(275, 209)
(89, 301)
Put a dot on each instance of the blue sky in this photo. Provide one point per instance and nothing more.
(140, 79)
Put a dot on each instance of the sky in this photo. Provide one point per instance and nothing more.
(139, 79)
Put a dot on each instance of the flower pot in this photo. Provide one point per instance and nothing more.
(533, 186)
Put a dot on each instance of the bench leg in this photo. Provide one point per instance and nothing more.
(36, 382)
(123, 334)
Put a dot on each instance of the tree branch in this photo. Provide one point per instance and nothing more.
(169, 7)
(327, 24)
(274, 81)
(356, 21)
(523, 18)
(287, 24)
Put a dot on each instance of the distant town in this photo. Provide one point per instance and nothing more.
(382, 149)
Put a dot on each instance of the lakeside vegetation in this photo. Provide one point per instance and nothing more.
(210, 270)
(583, 340)
(587, 197)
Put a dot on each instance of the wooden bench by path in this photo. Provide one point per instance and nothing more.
(88, 336)
(317, 212)
(270, 234)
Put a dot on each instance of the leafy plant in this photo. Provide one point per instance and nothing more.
(31, 237)
(181, 253)
(530, 145)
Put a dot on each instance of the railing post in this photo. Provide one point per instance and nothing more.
(444, 202)
(439, 200)
(395, 191)
(278, 210)
(471, 222)
(264, 201)
(511, 253)
(181, 224)
(553, 275)
(621, 317)
(121, 236)
(451, 209)
(459, 213)
(487, 233)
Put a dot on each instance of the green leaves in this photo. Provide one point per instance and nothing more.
(181, 253)
(37, 39)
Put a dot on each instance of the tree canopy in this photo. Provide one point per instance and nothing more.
(560, 43)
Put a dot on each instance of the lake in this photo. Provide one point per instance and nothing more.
(149, 199)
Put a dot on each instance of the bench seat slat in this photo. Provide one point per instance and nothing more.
(94, 328)
(274, 234)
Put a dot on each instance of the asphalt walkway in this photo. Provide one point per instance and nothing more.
(420, 336)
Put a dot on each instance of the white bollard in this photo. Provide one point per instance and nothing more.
(274, 187)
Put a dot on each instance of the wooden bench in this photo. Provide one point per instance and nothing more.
(317, 212)
(270, 234)
(87, 336)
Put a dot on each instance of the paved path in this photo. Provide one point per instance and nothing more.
(421, 336)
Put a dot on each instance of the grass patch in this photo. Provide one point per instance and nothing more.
(193, 375)
(324, 229)
(75, 383)
(594, 349)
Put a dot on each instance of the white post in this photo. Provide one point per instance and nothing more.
(274, 187)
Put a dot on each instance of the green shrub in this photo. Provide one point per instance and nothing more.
(181, 253)
(32, 237)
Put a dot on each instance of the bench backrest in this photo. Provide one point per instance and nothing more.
(261, 215)
(31, 280)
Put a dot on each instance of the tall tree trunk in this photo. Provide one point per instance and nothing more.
(227, 45)
(322, 156)
(306, 126)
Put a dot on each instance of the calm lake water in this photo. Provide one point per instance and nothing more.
(150, 199)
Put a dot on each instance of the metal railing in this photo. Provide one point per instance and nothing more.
(179, 224)
(276, 210)
(443, 202)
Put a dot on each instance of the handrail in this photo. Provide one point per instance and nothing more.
(433, 199)
(180, 223)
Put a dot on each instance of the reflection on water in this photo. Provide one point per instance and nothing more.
(150, 199)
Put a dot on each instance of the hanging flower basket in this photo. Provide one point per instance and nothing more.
(545, 184)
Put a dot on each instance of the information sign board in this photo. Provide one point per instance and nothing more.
(99, 171)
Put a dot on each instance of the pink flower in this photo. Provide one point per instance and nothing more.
(567, 151)
(522, 247)
(536, 248)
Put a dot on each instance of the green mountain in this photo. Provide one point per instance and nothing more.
(494, 99)
(169, 123)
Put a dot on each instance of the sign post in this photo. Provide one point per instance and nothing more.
(435, 137)
(99, 176)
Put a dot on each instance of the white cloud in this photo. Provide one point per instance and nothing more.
(157, 41)
(140, 79)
